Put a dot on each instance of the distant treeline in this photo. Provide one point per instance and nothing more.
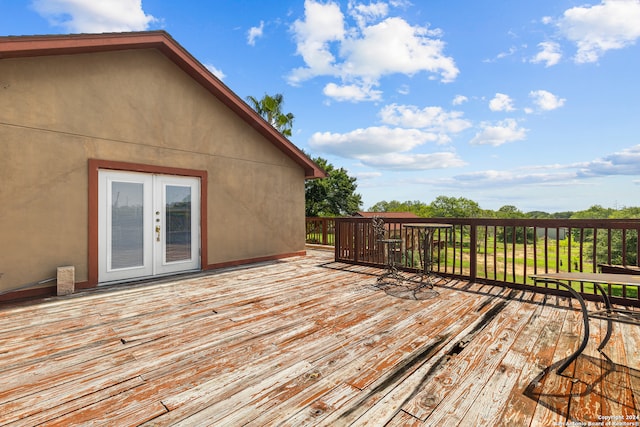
(460, 207)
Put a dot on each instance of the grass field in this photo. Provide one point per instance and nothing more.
(515, 263)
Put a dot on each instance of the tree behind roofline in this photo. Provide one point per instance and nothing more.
(270, 108)
(452, 207)
(417, 207)
(331, 196)
(441, 207)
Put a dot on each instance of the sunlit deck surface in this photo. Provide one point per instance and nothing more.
(308, 341)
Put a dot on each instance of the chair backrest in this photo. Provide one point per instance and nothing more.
(378, 227)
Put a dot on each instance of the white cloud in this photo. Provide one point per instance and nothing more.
(385, 148)
(612, 24)
(404, 90)
(499, 179)
(370, 141)
(501, 55)
(622, 163)
(91, 16)
(549, 54)
(459, 100)
(500, 133)
(323, 24)
(501, 102)
(352, 92)
(361, 54)
(625, 162)
(510, 52)
(430, 118)
(366, 175)
(545, 100)
(363, 14)
(406, 162)
(254, 33)
(394, 46)
(215, 71)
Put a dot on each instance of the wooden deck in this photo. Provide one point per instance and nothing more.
(307, 341)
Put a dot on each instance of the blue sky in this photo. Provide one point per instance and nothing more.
(506, 102)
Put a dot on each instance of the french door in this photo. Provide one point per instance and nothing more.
(148, 225)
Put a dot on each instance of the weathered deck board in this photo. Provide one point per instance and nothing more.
(466, 374)
(615, 383)
(57, 409)
(553, 391)
(449, 331)
(510, 353)
(307, 341)
(530, 354)
(586, 395)
(631, 342)
(492, 399)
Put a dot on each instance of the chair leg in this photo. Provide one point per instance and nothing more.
(392, 270)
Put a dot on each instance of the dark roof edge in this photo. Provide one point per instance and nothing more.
(32, 46)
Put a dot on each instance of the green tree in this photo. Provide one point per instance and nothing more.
(602, 239)
(509, 234)
(602, 247)
(538, 215)
(509, 211)
(384, 206)
(562, 215)
(452, 207)
(594, 212)
(631, 240)
(270, 108)
(331, 196)
(417, 207)
(626, 213)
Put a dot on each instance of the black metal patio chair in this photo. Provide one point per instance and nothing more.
(392, 248)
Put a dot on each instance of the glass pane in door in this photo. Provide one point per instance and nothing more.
(127, 219)
(178, 223)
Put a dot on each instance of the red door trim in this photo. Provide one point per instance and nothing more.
(95, 165)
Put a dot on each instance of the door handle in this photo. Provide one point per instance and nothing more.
(157, 233)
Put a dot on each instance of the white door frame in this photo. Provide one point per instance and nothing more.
(190, 258)
(149, 256)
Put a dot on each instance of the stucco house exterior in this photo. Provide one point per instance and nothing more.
(122, 156)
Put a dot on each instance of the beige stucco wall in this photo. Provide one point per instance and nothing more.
(133, 106)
